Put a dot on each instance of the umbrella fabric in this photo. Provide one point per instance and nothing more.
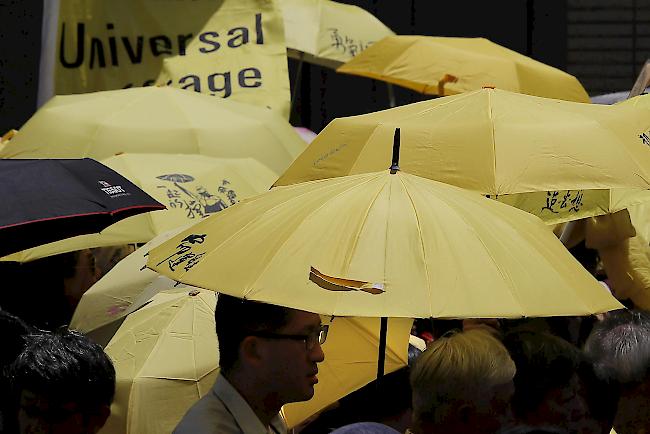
(351, 361)
(640, 214)
(421, 63)
(48, 200)
(191, 186)
(155, 120)
(383, 245)
(165, 357)
(127, 287)
(575, 204)
(328, 33)
(169, 348)
(499, 143)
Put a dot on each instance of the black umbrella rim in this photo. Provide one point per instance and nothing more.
(68, 216)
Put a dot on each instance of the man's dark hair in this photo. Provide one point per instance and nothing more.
(65, 366)
(14, 331)
(619, 347)
(236, 318)
(544, 362)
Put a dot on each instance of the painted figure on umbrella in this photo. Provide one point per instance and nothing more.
(196, 200)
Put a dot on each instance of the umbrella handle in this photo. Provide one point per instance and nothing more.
(8, 135)
(394, 167)
(447, 78)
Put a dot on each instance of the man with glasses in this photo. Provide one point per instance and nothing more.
(268, 357)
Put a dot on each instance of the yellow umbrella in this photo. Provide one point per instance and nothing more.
(446, 66)
(155, 120)
(382, 244)
(128, 286)
(499, 143)
(166, 358)
(328, 33)
(591, 203)
(190, 186)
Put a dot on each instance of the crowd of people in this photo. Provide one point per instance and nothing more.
(532, 375)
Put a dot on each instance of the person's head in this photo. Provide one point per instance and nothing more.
(619, 349)
(80, 273)
(278, 348)
(14, 331)
(462, 383)
(64, 383)
(548, 387)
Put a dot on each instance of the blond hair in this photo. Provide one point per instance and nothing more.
(457, 368)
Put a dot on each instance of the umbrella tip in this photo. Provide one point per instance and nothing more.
(394, 167)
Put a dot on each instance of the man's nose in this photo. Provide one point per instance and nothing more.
(317, 355)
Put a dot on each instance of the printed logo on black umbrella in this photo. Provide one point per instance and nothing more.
(112, 190)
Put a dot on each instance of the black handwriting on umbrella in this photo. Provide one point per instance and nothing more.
(183, 252)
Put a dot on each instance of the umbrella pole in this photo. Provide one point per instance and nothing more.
(391, 95)
(567, 231)
(381, 358)
(383, 324)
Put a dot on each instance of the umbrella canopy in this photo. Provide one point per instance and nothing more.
(165, 357)
(191, 186)
(155, 120)
(328, 33)
(383, 245)
(447, 66)
(48, 200)
(127, 287)
(169, 349)
(500, 144)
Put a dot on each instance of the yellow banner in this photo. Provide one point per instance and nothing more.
(229, 48)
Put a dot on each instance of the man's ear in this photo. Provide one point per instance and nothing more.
(97, 420)
(250, 352)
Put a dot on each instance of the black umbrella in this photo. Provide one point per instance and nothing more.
(43, 200)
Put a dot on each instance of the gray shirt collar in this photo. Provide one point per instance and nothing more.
(242, 412)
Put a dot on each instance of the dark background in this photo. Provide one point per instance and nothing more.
(602, 42)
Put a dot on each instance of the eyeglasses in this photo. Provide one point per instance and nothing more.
(311, 339)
